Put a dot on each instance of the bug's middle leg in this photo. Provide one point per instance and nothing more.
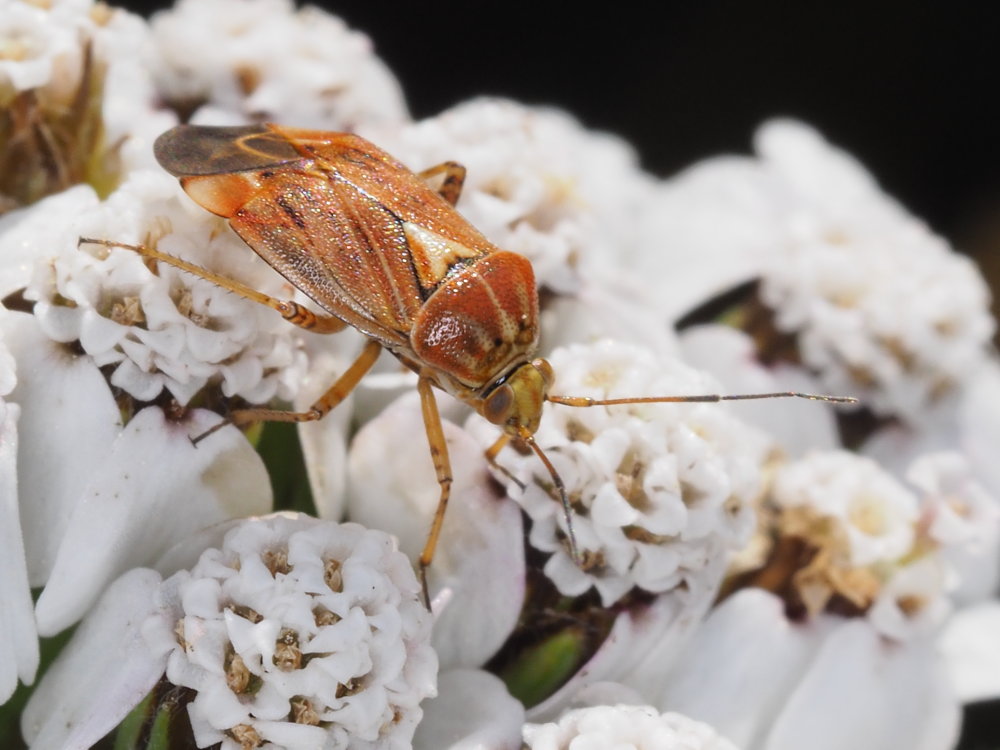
(291, 311)
(325, 404)
(454, 179)
(442, 468)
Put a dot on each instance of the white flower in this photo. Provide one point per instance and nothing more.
(300, 633)
(18, 641)
(126, 508)
(771, 683)
(472, 711)
(621, 726)
(963, 518)
(660, 492)
(33, 44)
(951, 460)
(881, 307)
(164, 330)
(877, 305)
(538, 184)
(102, 673)
(78, 532)
(706, 230)
(267, 60)
(74, 67)
(876, 512)
(913, 600)
(840, 534)
(971, 646)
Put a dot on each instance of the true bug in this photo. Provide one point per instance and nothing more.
(379, 249)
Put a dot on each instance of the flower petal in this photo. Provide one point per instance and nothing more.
(971, 646)
(152, 489)
(477, 578)
(710, 228)
(867, 694)
(472, 710)
(18, 640)
(68, 422)
(102, 673)
(746, 646)
(24, 231)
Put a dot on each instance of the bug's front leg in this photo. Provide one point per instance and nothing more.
(293, 312)
(454, 179)
(442, 468)
(493, 452)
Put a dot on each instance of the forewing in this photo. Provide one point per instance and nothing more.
(388, 182)
(340, 246)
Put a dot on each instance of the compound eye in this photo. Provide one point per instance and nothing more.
(497, 406)
(543, 366)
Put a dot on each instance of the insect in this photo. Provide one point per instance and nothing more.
(381, 250)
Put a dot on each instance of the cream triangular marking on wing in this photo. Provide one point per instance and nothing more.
(434, 255)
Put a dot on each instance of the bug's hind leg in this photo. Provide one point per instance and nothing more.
(293, 312)
(454, 179)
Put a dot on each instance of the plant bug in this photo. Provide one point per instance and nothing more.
(380, 250)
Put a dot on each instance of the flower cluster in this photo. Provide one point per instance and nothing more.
(639, 727)
(660, 492)
(300, 633)
(900, 341)
(244, 71)
(74, 106)
(841, 534)
(162, 330)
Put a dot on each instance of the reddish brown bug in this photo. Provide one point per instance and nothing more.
(380, 250)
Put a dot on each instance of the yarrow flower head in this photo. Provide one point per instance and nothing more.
(164, 330)
(846, 536)
(538, 183)
(879, 306)
(74, 105)
(267, 60)
(659, 492)
(302, 634)
(635, 727)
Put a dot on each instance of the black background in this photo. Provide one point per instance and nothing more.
(909, 88)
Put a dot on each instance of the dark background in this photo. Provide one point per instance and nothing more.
(909, 88)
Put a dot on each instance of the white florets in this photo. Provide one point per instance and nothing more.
(43, 48)
(33, 44)
(265, 59)
(538, 183)
(165, 329)
(623, 728)
(958, 507)
(301, 634)
(874, 541)
(961, 519)
(882, 308)
(660, 492)
(876, 511)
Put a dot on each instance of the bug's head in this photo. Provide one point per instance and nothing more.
(515, 403)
